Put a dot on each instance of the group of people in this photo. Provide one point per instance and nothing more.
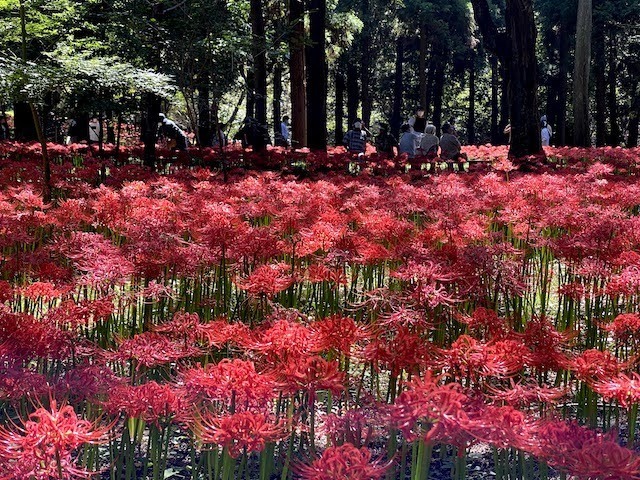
(418, 140)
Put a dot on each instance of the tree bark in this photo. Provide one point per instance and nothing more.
(365, 70)
(317, 76)
(205, 131)
(353, 93)
(614, 139)
(563, 74)
(24, 128)
(259, 53)
(438, 92)
(471, 121)
(581, 134)
(496, 138)
(398, 88)
(297, 74)
(339, 111)
(277, 99)
(599, 67)
(150, 128)
(634, 117)
(523, 80)
(422, 67)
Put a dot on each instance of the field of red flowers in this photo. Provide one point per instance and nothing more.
(331, 327)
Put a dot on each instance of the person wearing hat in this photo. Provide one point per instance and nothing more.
(171, 131)
(355, 140)
(385, 141)
(545, 131)
(451, 149)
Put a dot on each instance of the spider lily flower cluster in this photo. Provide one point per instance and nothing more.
(333, 327)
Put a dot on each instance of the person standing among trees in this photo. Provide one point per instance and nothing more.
(282, 140)
(545, 131)
(94, 130)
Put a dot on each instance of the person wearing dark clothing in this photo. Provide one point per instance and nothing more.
(254, 135)
(418, 122)
(450, 148)
(170, 131)
(385, 142)
(219, 139)
(4, 128)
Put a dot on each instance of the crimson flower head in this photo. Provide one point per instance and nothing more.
(344, 462)
(267, 280)
(239, 431)
(337, 333)
(313, 374)
(44, 446)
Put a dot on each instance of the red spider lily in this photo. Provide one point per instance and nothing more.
(220, 332)
(525, 394)
(43, 447)
(151, 349)
(547, 345)
(44, 290)
(405, 350)
(151, 402)
(240, 431)
(622, 388)
(101, 262)
(485, 320)
(428, 410)
(229, 381)
(71, 314)
(27, 337)
(583, 452)
(183, 327)
(356, 426)
(284, 340)
(502, 427)
(88, 382)
(310, 375)
(17, 383)
(344, 462)
(470, 358)
(337, 333)
(593, 365)
(625, 326)
(267, 280)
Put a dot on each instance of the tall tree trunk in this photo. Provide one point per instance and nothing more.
(422, 66)
(205, 131)
(150, 128)
(634, 116)
(259, 53)
(614, 140)
(250, 105)
(277, 99)
(365, 70)
(24, 128)
(398, 88)
(429, 88)
(353, 93)
(496, 138)
(317, 76)
(523, 79)
(581, 134)
(471, 121)
(504, 97)
(339, 112)
(563, 74)
(438, 92)
(599, 66)
(297, 74)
